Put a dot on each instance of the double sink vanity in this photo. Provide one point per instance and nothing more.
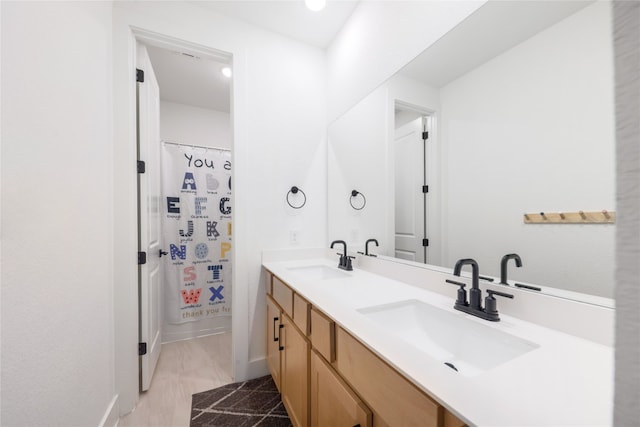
(382, 345)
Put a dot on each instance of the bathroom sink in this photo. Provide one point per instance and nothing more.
(318, 272)
(461, 343)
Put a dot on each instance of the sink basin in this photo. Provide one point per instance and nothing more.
(463, 344)
(319, 272)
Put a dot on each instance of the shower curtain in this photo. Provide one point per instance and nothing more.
(197, 231)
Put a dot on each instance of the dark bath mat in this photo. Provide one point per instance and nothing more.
(253, 403)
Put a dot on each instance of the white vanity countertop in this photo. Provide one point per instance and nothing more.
(567, 381)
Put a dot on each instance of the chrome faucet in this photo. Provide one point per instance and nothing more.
(345, 260)
(474, 306)
(503, 266)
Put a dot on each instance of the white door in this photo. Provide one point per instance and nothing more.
(150, 273)
(409, 198)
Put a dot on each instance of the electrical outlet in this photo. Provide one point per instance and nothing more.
(293, 236)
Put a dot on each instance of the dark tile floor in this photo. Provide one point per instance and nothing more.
(251, 403)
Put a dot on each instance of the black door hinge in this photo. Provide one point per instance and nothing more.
(425, 242)
(141, 167)
(425, 189)
(142, 348)
(425, 135)
(142, 258)
(139, 75)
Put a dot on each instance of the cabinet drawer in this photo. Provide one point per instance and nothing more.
(323, 335)
(301, 310)
(269, 283)
(390, 396)
(283, 295)
(333, 403)
(451, 420)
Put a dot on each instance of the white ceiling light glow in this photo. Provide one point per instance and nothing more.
(226, 71)
(315, 5)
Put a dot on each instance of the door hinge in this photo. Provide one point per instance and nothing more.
(425, 189)
(142, 258)
(139, 75)
(142, 348)
(425, 242)
(425, 135)
(141, 167)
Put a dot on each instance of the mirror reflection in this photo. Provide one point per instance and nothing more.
(512, 112)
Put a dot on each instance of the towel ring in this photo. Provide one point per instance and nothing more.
(295, 190)
(355, 194)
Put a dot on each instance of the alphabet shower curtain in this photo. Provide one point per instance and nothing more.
(196, 187)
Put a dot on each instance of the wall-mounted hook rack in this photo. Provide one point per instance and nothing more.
(296, 190)
(354, 196)
(579, 217)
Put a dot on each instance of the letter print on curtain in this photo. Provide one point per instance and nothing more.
(196, 187)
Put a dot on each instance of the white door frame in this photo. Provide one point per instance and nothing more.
(434, 168)
(125, 279)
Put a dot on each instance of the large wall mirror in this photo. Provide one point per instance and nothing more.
(518, 103)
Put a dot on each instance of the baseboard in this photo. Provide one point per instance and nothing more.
(111, 416)
(257, 368)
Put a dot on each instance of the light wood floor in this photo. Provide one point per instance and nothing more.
(184, 368)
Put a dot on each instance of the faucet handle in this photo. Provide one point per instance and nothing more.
(490, 307)
(461, 300)
(501, 294)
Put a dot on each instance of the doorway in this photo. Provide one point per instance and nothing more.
(411, 152)
(194, 113)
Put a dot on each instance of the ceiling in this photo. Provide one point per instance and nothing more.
(290, 18)
(497, 26)
(494, 28)
(190, 79)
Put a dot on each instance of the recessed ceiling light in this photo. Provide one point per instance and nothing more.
(226, 71)
(315, 5)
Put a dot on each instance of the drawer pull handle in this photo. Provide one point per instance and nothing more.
(275, 338)
(280, 347)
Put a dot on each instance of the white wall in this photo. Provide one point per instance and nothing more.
(357, 160)
(379, 38)
(186, 124)
(57, 171)
(279, 122)
(532, 130)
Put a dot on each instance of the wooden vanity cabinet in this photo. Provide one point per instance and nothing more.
(327, 378)
(274, 321)
(333, 403)
(392, 398)
(288, 350)
(295, 373)
(323, 335)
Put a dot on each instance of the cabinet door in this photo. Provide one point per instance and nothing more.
(295, 373)
(333, 404)
(274, 320)
(390, 396)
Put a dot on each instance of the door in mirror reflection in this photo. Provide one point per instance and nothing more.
(409, 185)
